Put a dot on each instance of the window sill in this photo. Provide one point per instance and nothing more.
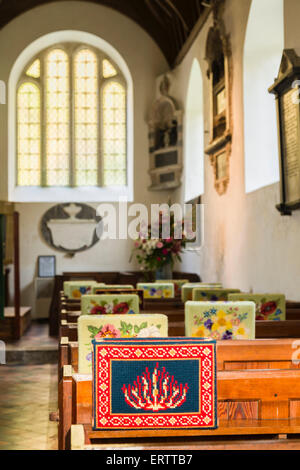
(58, 194)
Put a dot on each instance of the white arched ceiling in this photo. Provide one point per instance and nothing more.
(263, 48)
(194, 135)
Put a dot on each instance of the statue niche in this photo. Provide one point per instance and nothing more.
(165, 139)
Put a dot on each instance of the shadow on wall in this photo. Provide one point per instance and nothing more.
(220, 251)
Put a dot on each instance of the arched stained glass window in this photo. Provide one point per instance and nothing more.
(71, 120)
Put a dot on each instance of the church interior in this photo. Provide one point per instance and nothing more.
(149, 197)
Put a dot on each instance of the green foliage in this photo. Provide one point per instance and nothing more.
(94, 330)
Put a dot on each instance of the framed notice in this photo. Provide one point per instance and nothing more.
(290, 148)
(287, 91)
(46, 266)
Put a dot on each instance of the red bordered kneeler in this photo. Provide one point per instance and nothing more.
(154, 384)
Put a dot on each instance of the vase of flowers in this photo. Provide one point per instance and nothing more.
(165, 272)
(158, 255)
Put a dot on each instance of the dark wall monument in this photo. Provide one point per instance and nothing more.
(286, 89)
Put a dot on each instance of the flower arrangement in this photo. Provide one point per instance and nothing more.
(155, 253)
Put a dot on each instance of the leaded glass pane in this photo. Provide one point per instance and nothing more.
(108, 69)
(57, 118)
(29, 134)
(114, 134)
(34, 70)
(86, 118)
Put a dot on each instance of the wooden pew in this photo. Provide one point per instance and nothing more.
(257, 380)
(273, 355)
(174, 309)
(14, 320)
(82, 438)
(129, 277)
(65, 408)
(251, 403)
(264, 329)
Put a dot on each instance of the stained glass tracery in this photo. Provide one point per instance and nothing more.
(71, 120)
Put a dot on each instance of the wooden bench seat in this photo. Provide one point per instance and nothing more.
(8, 323)
(239, 427)
(257, 380)
(251, 404)
(231, 355)
(258, 388)
(242, 394)
(83, 438)
(263, 329)
(9, 312)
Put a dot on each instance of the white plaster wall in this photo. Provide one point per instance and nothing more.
(263, 47)
(248, 244)
(194, 135)
(192, 261)
(145, 61)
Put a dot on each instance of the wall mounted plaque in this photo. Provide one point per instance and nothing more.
(70, 227)
(219, 59)
(286, 90)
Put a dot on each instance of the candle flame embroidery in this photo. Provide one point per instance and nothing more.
(155, 392)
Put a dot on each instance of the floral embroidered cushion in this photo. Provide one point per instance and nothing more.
(268, 306)
(154, 384)
(110, 304)
(187, 289)
(75, 289)
(220, 320)
(138, 292)
(157, 290)
(178, 283)
(115, 326)
(202, 295)
(110, 287)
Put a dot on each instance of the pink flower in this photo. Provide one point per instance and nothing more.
(165, 251)
(159, 245)
(168, 240)
(137, 244)
(108, 331)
